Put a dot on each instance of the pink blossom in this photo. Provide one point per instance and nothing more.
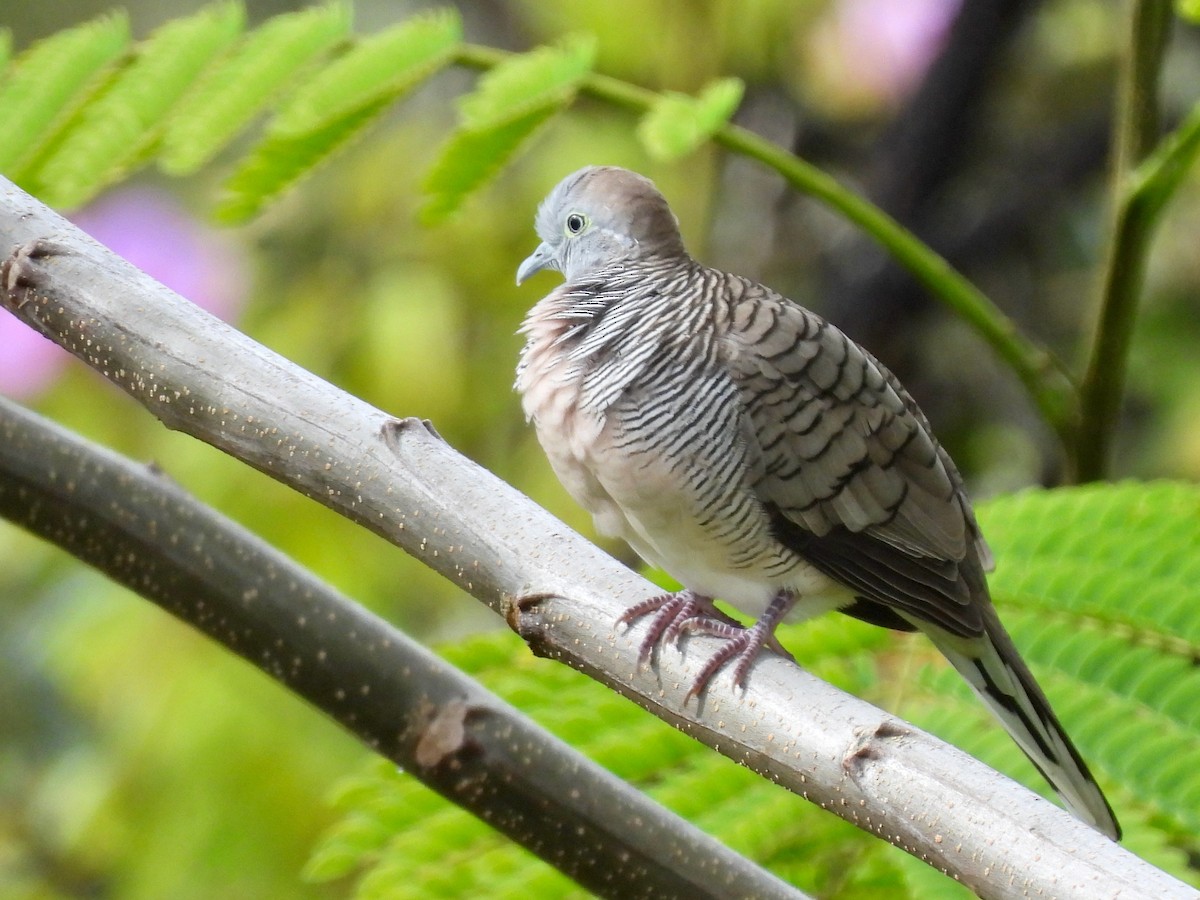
(882, 48)
(150, 229)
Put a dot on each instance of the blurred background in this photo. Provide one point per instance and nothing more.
(139, 760)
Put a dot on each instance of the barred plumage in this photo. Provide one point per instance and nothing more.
(759, 455)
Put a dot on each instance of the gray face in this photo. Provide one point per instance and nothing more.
(598, 216)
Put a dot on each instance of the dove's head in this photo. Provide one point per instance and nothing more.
(598, 216)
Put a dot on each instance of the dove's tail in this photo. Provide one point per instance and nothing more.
(995, 670)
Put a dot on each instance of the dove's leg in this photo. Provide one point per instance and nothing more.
(741, 644)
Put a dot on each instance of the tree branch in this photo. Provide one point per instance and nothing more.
(1136, 129)
(203, 377)
(400, 699)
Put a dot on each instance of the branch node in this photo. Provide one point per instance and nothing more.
(518, 613)
(155, 469)
(21, 273)
(445, 735)
(868, 745)
(393, 429)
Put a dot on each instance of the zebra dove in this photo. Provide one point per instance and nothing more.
(749, 448)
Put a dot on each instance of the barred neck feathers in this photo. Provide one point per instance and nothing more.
(632, 308)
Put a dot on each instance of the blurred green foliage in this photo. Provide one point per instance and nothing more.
(141, 762)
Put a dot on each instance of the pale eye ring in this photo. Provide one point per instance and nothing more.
(575, 223)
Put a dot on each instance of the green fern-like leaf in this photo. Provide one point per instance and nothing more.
(279, 162)
(335, 858)
(470, 158)
(508, 106)
(116, 131)
(678, 123)
(515, 879)
(1158, 679)
(1127, 555)
(337, 106)
(376, 70)
(531, 81)
(1157, 610)
(242, 84)
(47, 82)
(1152, 755)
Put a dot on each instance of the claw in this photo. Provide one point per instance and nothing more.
(742, 645)
(672, 611)
(686, 612)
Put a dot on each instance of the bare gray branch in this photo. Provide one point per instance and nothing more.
(400, 699)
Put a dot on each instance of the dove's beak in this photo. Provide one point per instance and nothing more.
(541, 258)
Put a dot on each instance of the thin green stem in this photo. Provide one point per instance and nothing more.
(1044, 377)
(1158, 178)
(1135, 212)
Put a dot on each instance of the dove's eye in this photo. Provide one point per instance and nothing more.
(576, 223)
